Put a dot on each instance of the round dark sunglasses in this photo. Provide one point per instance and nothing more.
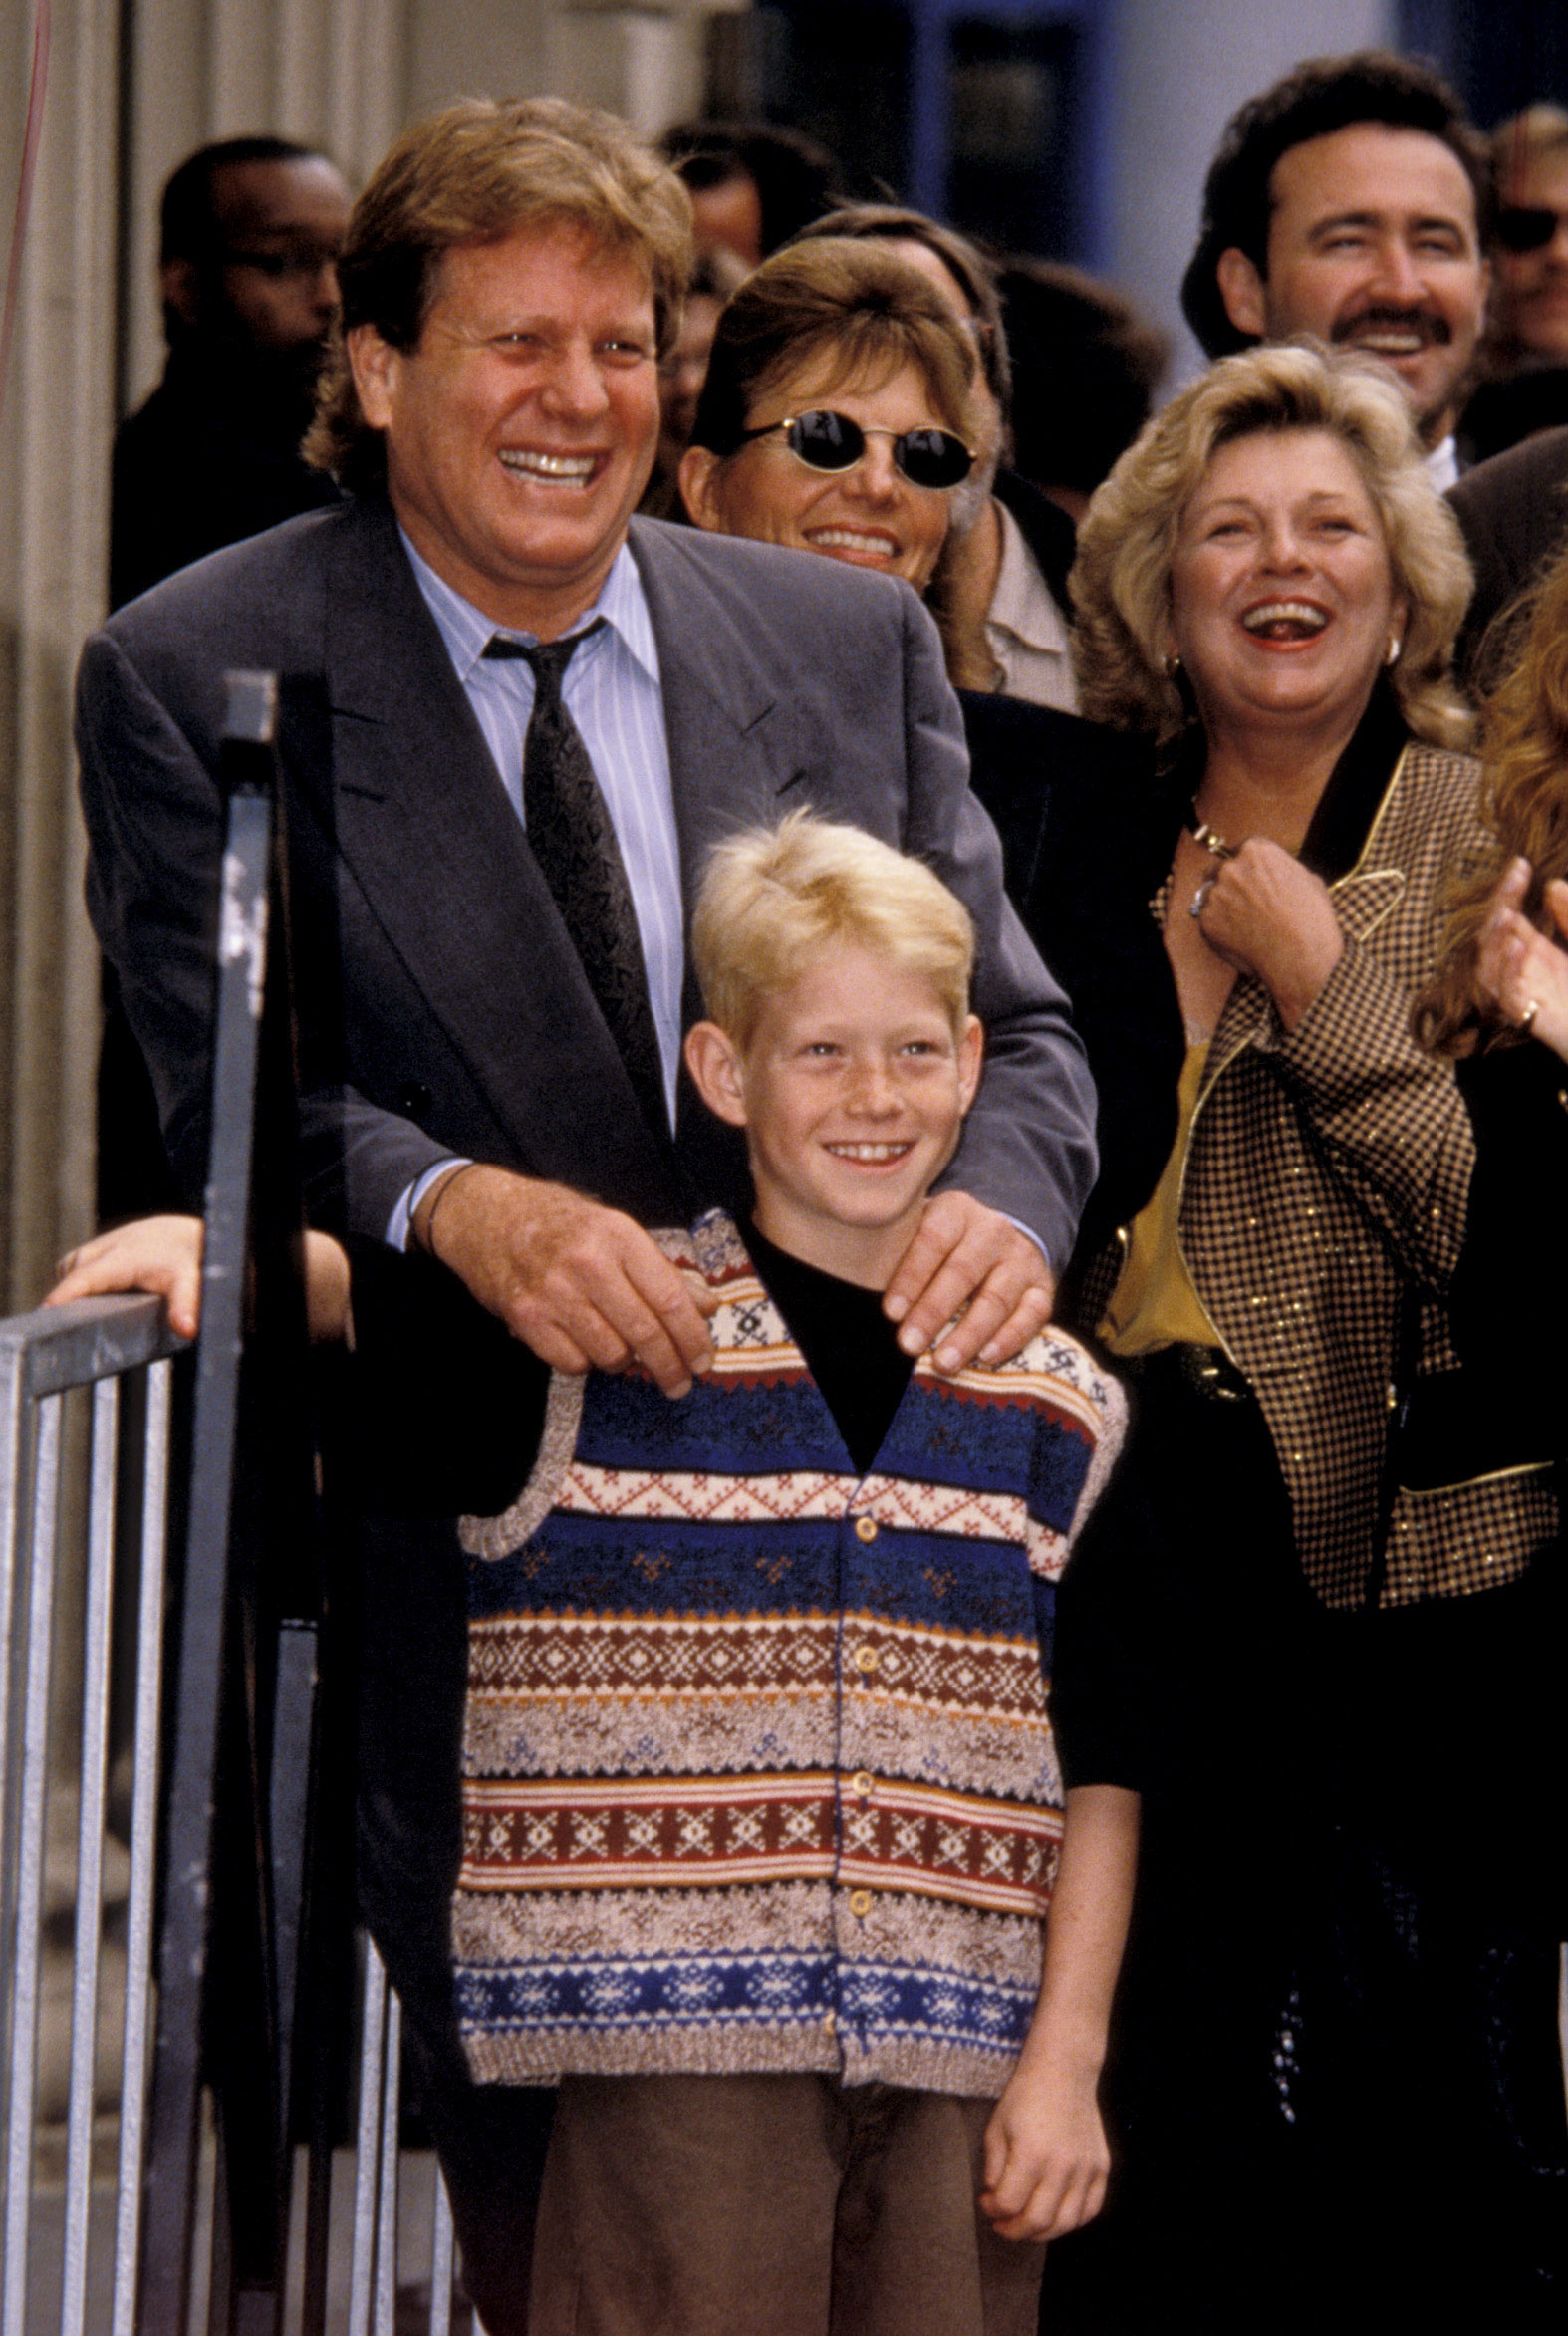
(825, 440)
(1527, 226)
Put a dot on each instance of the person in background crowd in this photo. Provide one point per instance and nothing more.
(1525, 351)
(1000, 593)
(1085, 370)
(1314, 1516)
(753, 185)
(249, 239)
(1353, 200)
(717, 274)
(516, 717)
(1528, 323)
(251, 232)
(841, 398)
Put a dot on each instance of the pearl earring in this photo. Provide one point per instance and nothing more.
(1395, 645)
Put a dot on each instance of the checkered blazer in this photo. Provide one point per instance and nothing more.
(1325, 1199)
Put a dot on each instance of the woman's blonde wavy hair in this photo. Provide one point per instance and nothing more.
(1120, 579)
(1524, 807)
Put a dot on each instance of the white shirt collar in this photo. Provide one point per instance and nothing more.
(1443, 464)
(1022, 604)
(467, 630)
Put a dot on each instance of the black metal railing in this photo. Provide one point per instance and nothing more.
(193, 1511)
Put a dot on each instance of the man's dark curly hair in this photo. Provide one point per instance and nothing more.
(1321, 95)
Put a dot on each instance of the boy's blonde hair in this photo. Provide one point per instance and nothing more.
(773, 898)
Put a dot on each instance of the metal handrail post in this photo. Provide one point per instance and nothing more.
(204, 1603)
(144, 1864)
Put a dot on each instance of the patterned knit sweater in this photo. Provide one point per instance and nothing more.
(758, 1772)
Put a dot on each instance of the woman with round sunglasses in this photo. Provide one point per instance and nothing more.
(839, 416)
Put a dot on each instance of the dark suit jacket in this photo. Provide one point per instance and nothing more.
(1514, 514)
(1046, 529)
(443, 1006)
(211, 458)
(1086, 831)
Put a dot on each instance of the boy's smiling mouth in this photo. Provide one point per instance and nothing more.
(870, 1153)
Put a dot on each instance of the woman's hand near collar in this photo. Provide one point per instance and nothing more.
(1521, 973)
(1266, 915)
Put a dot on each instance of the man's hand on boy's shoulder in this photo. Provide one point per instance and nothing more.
(581, 1284)
(970, 1262)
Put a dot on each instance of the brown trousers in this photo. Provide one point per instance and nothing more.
(772, 2206)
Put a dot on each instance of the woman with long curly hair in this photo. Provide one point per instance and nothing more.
(1503, 971)
(1498, 1005)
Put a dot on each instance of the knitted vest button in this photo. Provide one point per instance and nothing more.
(866, 1658)
(866, 1527)
(860, 1904)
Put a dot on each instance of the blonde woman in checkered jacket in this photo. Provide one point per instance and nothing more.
(1260, 1638)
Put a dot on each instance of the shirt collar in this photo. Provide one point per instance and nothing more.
(1443, 464)
(1022, 604)
(467, 630)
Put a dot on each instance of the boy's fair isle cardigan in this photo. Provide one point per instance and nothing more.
(758, 1772)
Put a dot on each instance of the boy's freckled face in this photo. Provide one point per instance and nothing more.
(854, 1091)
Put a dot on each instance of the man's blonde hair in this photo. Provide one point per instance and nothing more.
(773, 898)
(476, 171)
(1120, 579)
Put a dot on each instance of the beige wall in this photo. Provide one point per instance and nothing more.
(346, 74)
(53, 430)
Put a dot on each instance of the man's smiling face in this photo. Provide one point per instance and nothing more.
(521, 428)
(1373, 245)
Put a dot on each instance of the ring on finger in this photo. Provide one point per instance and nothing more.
(1526, 1021)
(1201, 897)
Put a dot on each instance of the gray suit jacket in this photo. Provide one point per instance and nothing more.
(443, 1006)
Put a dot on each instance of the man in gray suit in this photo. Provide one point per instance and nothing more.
(510, 276)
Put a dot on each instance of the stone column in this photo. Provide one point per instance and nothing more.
(54, 428)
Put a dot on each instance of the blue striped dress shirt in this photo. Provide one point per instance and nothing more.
(612, 692)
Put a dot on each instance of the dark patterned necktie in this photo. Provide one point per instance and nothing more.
(572, 838)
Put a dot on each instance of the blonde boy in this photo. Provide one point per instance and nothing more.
(762, 1811)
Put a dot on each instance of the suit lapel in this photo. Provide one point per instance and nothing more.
(730, 734)
(423, 824)
(733, 761)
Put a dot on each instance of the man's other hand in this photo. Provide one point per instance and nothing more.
(583, 1285)
(969, 1260)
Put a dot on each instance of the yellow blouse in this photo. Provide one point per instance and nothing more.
(1154, 1303)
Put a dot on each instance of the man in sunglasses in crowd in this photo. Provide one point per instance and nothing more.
(515, 719)
(1353, 200)
(1529, 316)
(1514, 508)
(249, 236)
